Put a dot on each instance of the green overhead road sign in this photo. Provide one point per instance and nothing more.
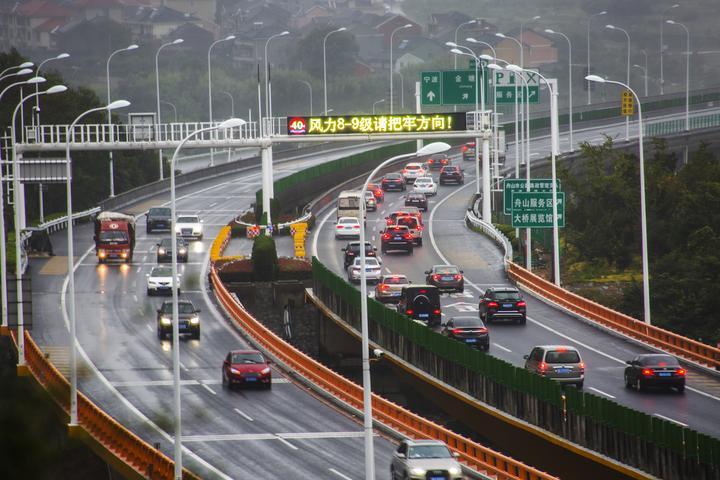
(430, 91)
(511, 185)
(505, 87)
(449, 87)
(535, 209)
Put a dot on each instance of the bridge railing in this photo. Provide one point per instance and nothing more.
(669, 127)
(129, 449)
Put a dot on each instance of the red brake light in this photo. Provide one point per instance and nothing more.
(582, 366)
(458, 277)
(384, 287)
(409, 311)
(408, 236)
(388, 221)
(521, 304)
(543, 367)
(436, 277)
(681, 372)
(456, 331)
(482, 330)
(647, 372)
(492, 305)
(464, 148)
(436, 311)
(386, 236)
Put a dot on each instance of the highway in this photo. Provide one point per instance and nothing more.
(282, 433)
(448, 240)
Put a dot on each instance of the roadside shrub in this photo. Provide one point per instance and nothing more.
(264, 258)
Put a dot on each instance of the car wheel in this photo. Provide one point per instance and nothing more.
(628, 383)
(638, 385)
(419, 242)
(224, 379)
(268, 386)
(410, 251)
(680, 388)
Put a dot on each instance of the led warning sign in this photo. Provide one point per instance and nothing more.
(406, 123)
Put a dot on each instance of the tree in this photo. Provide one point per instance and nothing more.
(341, 52)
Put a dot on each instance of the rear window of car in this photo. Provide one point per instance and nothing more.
(410, 222)
(660, 360)
(450, 169)
(446, 270)
(159, 212)
(507, 295)
(423, 180)
(395, 280)
(392, 176)
(412, 167)
(348, 220)
(562, 356)
(467, 322)
(397, 229)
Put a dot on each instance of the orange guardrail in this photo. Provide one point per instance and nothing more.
(394, 416)
(220, 242)
(125, 446)
(670, 342)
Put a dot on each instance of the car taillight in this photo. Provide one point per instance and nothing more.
(409, 311)
(340, 226)
(378, 192)
(419, 228)
(647, 372)
(436, 311)
(436, 277)
(543, 367)
(408, 236)
(482, 330)
(581, 365)
(681, 372)
(386, 236)
(388, 221)
(458, 277)
(404, 171)
(492, 305)
(456, 331)
(520, 304)
(464, 148)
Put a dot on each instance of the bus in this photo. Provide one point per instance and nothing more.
(348, 204)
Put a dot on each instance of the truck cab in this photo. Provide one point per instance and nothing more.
(114, 237)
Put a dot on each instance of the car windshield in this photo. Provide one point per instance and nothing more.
(562, 356)
(392, 176)
(369, 262)
(188, 220)
(447, 270)
(250, 357)
(437, 156)
(369, 194)
(423, 180)
(183, 307)
(161, 272)
(113, 236)
(467, 322)
(349, 202)
(429, 451)
(660, 360)
(347, 221)
(159, 212)
(395, 280)
(412, 167)
(410, 222)
(397, 230)
(507, 295)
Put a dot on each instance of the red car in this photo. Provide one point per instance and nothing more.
(377, 191)
(246, 367)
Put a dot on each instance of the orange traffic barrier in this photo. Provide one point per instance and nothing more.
(129, 449)
(666, 340)
(219, 244)
(394, 416)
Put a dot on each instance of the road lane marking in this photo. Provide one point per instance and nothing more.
(207, 388)
(601, 392)
(669, 419)
(243, 414)
(213, 204)
(149, 327)
(343, 476)
(287, 443)
(388, 270)
(502, 348)
(270, 436)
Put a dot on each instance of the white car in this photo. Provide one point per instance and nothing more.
(159, 280)
(425, 185)
(373, 270)
(189, 226)
(413, 171)
(347, 227)
(370, 201)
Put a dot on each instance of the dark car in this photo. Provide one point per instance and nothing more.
(469, 330)
(377, 191)
(421, 302)
(188, 319)
(397, 237)
(437, 161)
(158, 219)
(352, 250)
(502, 303)
(246, 367)
(655, 370)
(418, 200)
(468, 151)
(451, 174)
(446, 277)
(165, 250)
(393, 181)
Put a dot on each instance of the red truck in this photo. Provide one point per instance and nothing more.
(114, 236)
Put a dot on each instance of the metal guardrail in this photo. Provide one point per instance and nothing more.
(61, 222)
(669, 127)
(492, 232)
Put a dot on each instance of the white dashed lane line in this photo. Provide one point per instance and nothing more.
(601, 392)
(245, 415)
(669, 419)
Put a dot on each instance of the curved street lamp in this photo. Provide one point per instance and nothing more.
(18, 67)
(229, 38)
(392, 67)
(177, 41)
(570, 95)
(112, 132)
(687, 71)
(341, 29)
(268, 85)
(662, 46)
(590, 17)
(375, 103)
(627, 77)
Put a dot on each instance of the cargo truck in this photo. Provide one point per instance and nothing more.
(114, 237)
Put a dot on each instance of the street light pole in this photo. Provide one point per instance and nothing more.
(687, 71)
(231, 123)
(643, 207)
(645, 77)
(37, 74)
(210, 113)
(522, 113)
(522, 49)
(570, 84)
(496, 140)
(375, 103)
(307, 84)
(662, 46)
(341, 29)
(589, 95)
(469, 22)
(392, 67)
(22, 66)
(174, 109)
(268, 86)
(112, 132)
(17, 200)
(157, 96)
(429, 149)
(3, 252)
(232, 115)
(627, 78)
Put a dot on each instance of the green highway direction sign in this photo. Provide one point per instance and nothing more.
(505, 87)
(511, 185)
(534, 209)
(449, 87)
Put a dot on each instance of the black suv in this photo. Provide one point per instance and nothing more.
(158, 218)
(418, 200)
(352, 251)
(502, 303)
(421, 302)
(437, 161)
(451, 174)
(188, 319)
(165, 250)
(393, 181)
(397, 237)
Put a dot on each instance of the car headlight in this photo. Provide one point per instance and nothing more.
(161, 251)
(194, 320)
(182, 251)
(417, 471)
(165, 321)
(235, 371)
(265, 371)
(454, 470)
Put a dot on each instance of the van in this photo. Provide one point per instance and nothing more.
(421, 302)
